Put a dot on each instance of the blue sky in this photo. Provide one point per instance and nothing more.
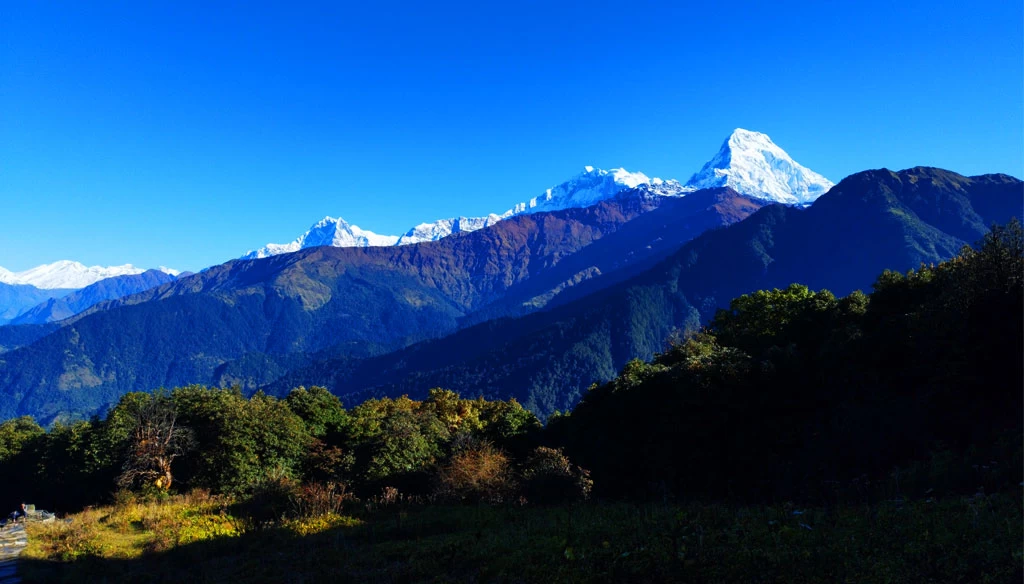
(183, 135)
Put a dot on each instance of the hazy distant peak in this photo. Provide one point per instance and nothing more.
(70, 274)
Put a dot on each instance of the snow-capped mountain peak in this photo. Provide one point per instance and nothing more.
(70, 274)
(327, 231)
(753, 165)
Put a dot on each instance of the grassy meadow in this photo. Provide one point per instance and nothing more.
(197, 538)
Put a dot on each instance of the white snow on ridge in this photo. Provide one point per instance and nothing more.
(445, 227)
(751, 164)
(588, 188)
(69, 274)
(748, 162)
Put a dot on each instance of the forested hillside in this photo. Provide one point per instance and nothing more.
(869, 222)
(798, 394)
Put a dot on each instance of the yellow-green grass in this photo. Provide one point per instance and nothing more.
(131, 527)
(976, 539)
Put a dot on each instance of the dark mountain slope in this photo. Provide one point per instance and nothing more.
(634, 247)
(869, 222)
(265, 313)
(13, 337)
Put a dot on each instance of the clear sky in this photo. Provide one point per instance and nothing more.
(173, 133)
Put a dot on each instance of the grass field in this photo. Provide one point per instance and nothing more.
(195, 538)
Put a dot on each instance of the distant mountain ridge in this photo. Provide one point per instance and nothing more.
(67, 274)
(266, 314)
(41, 290)
(78, 301)
(15, 299)
(749, 163)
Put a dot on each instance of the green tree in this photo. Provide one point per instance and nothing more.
(239, 441)
(320, 410)
(396, 436)
(455, 413)
(15, 434)
(504, 420)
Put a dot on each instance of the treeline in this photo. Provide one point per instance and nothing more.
(913, 390)
(443, 448)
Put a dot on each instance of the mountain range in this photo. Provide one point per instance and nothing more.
(78, 301)
(66, 274)
(28, 304)
(535, 305)
(353, 302)
(748, 162)
(871, 221)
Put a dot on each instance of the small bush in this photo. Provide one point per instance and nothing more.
(389, 496)
(549, 478)
(476, 473)
(321, 499)
(269, 500)
(328, 463)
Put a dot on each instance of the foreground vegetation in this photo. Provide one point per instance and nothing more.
(197, 539)
(799, 437)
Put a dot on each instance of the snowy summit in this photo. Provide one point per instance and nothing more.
(327, 231)
(749, 162)
(67, 274)
(753, 165)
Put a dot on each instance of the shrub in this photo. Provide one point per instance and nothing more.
(321, 499)
(550, 478)
(269, 500)
(476, 473)
(324, 462)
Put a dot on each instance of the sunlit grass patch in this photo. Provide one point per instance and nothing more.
(312, 525)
